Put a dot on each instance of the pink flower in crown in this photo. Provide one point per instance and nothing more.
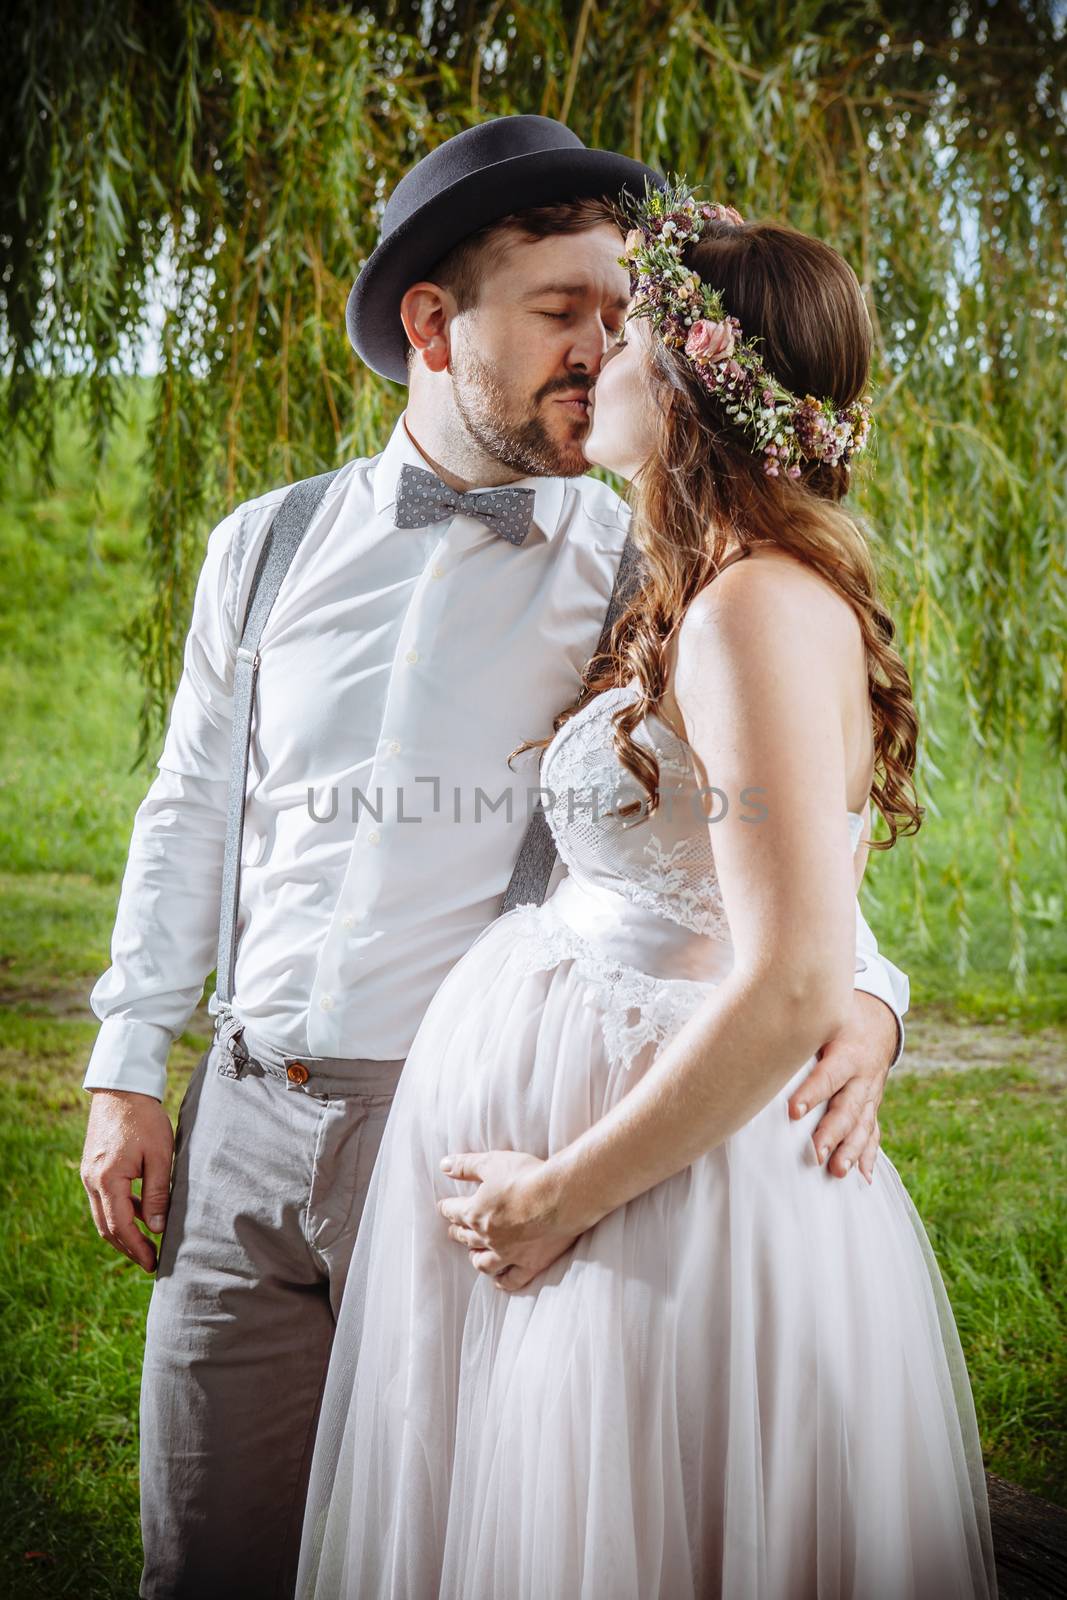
(722, 214)
(710, 341)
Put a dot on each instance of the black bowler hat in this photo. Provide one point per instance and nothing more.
(472, 179)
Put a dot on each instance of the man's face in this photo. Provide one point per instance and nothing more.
(524, 359)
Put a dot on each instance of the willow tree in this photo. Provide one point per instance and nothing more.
(232, 163)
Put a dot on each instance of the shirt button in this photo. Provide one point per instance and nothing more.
(374, 837)
(394, 747)
(348, 920)
(296, 1072)
(412, 656)
(437, 572)
(326, 1003)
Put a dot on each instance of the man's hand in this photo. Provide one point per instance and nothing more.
(850, 1074)
(129, 1136)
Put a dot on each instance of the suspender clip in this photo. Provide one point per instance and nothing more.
(244, 654)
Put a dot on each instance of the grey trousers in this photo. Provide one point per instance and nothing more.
(272, 1162)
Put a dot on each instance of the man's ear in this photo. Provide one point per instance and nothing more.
(426, 311)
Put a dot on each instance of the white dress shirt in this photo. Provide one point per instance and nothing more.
(399, 667)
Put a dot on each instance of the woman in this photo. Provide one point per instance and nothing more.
(687, 1362)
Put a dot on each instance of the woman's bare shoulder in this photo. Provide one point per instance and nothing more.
(768, 595)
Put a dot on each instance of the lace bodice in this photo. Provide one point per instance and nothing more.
(664, 862)
(638, 875)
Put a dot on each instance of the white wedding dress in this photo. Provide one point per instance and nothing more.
(746, 1383)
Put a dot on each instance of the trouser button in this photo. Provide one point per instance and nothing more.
(296, 1072)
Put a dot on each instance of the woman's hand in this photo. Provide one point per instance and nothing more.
(513, 1225)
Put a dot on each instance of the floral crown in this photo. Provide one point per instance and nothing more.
(689, 315)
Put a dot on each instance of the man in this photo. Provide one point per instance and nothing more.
(419, 635)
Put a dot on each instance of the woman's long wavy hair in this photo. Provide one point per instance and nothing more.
(703, 489)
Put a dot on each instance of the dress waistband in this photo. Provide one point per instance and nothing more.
(629, 933)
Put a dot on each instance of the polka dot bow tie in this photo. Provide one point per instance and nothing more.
(422, 498)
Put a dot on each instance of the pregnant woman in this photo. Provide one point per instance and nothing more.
(637, 1344)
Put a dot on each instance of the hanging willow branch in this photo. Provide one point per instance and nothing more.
(232, 164)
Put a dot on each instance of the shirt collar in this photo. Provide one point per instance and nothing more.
(548, 492)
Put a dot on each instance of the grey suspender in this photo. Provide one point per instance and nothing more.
(290, 524)
(537, 854)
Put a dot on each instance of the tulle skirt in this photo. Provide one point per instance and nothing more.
(746, 1383)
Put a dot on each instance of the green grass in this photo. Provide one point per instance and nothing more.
(979, 1152)
(915, 908)
(55, 931)
(73, 1314)
(73, 573)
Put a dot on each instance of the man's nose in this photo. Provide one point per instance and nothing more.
(588, 354)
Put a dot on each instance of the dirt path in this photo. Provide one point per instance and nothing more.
(933, 1041)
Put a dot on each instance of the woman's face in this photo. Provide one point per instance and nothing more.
(622, 433)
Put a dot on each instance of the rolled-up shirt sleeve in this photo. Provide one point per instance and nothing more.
(164, 941)
(877, 975)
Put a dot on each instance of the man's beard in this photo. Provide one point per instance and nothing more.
(520, 442)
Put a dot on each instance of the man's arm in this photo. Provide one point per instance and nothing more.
(876, 975)
(852, 1068)
(165, 936)
(166, 926)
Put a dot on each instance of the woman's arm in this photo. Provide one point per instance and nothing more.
(859, 863)
(766, 671)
